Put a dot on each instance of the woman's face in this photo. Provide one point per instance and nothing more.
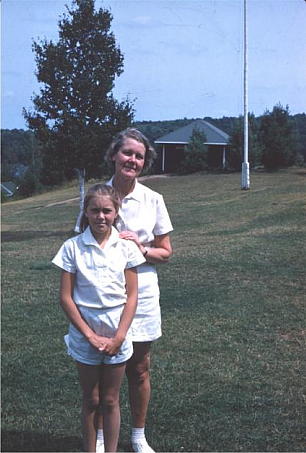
(130, 159)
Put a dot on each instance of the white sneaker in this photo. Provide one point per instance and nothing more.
(142, 447)
(100, 446)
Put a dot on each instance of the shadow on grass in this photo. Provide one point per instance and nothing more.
(16, 236)
(40, 442)
(31, 441)
(301, 173)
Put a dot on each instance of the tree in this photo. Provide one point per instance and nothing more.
(235, 154)
(276, 133)
(300, 137)
(19, 151)
(195, 155)
(76, 115)
(237, 143)
(29, 184)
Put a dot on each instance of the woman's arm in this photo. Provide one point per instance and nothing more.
(72, 312)
(160, 252)
(113, 344)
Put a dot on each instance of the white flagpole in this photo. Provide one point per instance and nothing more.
(245, 174)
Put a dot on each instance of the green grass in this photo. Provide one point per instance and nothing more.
(228, 373)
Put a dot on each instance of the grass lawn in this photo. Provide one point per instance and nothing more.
(228, 373)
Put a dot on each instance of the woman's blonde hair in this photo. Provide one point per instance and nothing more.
(99, 190)
(135, 134)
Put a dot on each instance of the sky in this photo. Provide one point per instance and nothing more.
(182, 58)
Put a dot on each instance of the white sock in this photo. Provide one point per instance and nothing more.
(100, 436)
(138, 435)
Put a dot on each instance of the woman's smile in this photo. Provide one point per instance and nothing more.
(130, 158)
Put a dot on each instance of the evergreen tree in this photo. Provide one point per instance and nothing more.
(235, 157)
(277, 138)
(300, 136)
(195, 156)
(76, 115)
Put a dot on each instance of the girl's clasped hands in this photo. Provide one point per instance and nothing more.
(109, 346)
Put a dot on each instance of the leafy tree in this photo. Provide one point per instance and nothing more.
(76, 115)
(29, 184)
(300, 134)
(235, 157)
(277, 137)
(195, 156)
(19, 150)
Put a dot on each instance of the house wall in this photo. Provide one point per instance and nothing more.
(174, 155)
(215, 156)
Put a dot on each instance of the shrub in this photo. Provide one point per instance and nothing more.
(195, 156)
(29, 184)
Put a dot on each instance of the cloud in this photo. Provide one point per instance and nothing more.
(8, 94)
(142, 20)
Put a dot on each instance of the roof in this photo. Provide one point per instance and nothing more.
(8, 188)
(183, 135)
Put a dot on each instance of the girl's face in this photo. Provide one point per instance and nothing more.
(101, 214)
(130, 159)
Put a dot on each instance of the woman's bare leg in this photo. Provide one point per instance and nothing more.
(138, 374)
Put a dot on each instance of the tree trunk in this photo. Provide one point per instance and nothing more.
(81, 177)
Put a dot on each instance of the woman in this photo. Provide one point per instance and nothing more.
(143, 218)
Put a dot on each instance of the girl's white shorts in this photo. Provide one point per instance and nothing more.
(105, 323)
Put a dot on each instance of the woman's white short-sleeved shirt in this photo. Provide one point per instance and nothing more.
(100, 279)
(144, 212)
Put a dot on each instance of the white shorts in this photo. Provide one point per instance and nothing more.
(105, 323)
(146, 325)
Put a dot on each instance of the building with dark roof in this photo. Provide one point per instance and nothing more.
(175, 143)
(8, 188)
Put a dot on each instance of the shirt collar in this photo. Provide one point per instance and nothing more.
(89, 239)
(136, 193)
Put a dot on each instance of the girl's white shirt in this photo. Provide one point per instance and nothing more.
(144, 212)
(99, 273)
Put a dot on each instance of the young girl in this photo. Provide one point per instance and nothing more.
(98, 293)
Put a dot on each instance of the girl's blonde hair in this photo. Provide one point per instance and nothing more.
(99, 190)
(135, 134)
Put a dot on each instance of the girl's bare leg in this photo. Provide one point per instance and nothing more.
(89, 376)
(110, 394)
(137, 371)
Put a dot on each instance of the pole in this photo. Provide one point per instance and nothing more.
(81, 177)
(245, 173)
(163, 159)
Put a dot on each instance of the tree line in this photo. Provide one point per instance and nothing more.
(272, 145)
(276, 139)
